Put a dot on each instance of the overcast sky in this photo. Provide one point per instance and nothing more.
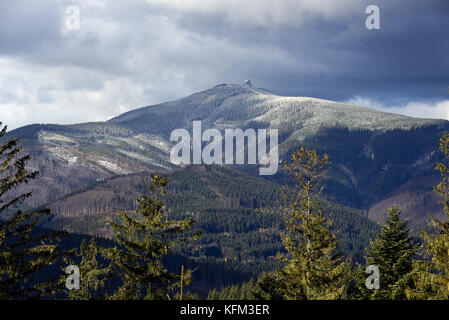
(133, 53)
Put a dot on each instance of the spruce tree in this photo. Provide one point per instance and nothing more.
(143, 239)
(25, 251)
(244, 291)
(94, 276)
(392, 252)
(214, 294)
(431, 276)
(270, 286)
(247, 290)
(315, 269)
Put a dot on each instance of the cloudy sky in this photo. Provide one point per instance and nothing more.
(132, 53)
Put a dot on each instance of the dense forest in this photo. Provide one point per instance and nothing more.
(207, 231)
(240, 216)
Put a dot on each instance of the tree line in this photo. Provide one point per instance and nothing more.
(133, 268)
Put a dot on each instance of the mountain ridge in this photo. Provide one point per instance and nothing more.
(374, 152)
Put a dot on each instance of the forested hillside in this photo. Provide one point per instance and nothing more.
(224, 226)
(369, 149)
(240, 215)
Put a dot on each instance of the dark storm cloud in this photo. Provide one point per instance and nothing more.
(407, 59)
(128, 54)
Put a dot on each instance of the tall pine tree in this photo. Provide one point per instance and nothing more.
(315, 269)
(143, 240)
(392, 252)
(431, 278)
(25, 251)
(95, 272)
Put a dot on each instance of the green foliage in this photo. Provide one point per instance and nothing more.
(431, 278)
(24, 252)
(442, 189)
(270, 286)
(93, 276)
(314, 270)
(392, 252)
(238, 213)
(143, 240)
(244, 291)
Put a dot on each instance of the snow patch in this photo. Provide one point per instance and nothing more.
(72, 160)
(45, 136)
(110, 166)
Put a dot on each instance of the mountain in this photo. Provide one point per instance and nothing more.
(377, 158)
(238, 213)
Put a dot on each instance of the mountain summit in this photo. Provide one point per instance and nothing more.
(242, 106)
(377, 157)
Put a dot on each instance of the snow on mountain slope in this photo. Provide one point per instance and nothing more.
(373, 152)
(239, 105)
